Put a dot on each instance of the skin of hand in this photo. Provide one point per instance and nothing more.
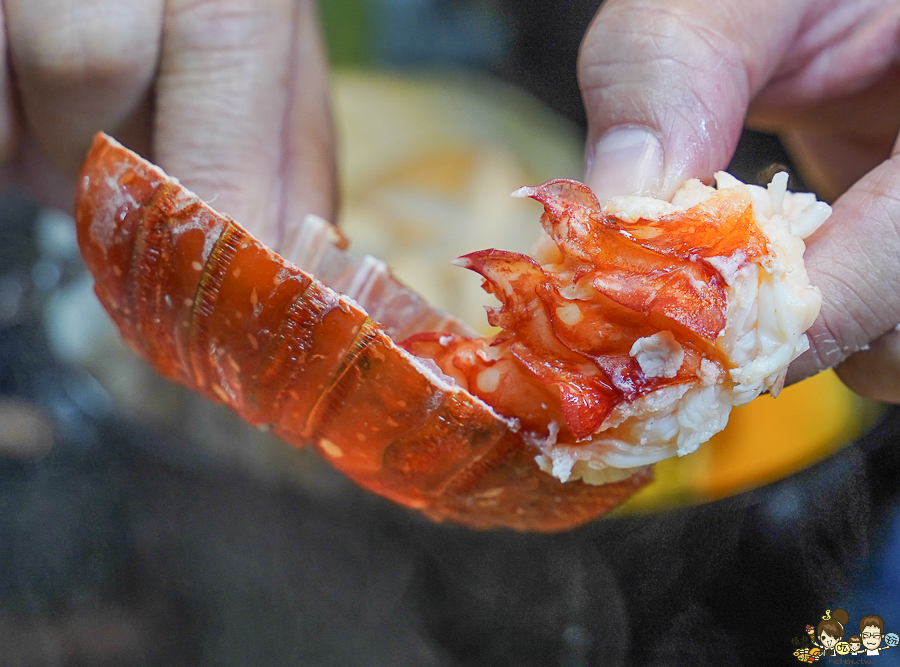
(668, 85)
(230, 95)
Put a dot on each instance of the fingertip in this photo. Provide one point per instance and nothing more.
(874, 373)
(626, 160)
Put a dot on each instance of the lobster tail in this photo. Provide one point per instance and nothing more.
(214, 309)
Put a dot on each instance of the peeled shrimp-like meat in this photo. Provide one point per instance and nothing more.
(640, 323)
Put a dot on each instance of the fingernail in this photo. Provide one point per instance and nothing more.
(626, 161)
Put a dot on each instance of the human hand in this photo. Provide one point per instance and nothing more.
(667, 85)
(230, 95)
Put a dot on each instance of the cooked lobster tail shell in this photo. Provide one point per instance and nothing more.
(212, 308)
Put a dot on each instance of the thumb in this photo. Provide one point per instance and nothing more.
(666, 86)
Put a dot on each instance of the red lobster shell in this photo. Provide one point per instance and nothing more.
(212, 308)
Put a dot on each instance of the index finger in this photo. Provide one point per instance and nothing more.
(242, 113)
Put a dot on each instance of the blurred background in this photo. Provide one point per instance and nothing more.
(141, 525)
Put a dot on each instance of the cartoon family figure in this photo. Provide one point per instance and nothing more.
(827, 639)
